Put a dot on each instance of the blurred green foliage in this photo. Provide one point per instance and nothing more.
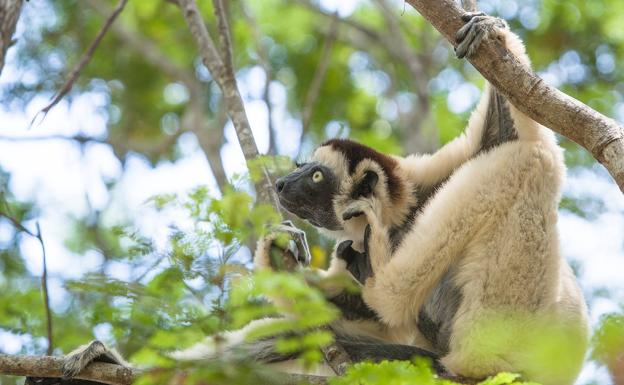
(147, 299)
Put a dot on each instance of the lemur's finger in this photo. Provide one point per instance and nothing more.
(470, 37)
(288, 223)
(461, 33)
(367, 234)
(343, 246)
(469, 15)
(351, 213)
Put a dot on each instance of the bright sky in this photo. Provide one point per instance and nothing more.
(59, 175)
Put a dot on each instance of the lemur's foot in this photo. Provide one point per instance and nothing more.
(284, 248)
(75, 362)
(95, 351)
(479, 26)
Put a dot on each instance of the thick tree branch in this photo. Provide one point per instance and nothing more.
(47, 366)
(600, 135)
(9, 13)
(51, 367)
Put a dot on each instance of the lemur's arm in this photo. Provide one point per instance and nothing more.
(490, 124)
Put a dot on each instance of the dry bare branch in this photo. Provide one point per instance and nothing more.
(84, 60)
(17, 224)
(82, 139)
(44, 276)
(44, 289)
(233, 100)
(600, 135)
(9, 14)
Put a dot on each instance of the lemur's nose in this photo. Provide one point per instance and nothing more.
(279, 185)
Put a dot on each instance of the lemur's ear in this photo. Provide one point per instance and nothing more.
(365, 187)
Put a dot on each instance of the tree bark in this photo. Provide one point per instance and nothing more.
(600, 135)
(48, 366)
(51, 367)
(227, 82)
(9, 13)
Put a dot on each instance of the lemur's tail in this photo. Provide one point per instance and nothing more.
(359, 348)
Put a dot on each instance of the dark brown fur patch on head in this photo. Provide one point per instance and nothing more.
(355, 152)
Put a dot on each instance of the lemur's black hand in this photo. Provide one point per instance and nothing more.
(358, 264)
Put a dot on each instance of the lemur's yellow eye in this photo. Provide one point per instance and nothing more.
(317, 176)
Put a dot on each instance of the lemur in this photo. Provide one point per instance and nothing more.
(441, 242)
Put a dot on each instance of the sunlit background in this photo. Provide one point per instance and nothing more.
(120, 137)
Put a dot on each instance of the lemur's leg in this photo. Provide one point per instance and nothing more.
(472, 202)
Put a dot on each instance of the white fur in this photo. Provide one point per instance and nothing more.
(495, 221)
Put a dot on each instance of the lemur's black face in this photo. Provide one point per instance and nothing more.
(308, 192)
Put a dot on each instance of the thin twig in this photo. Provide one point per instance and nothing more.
(84, 60)
(17, 224)
(365, 30)
(82, 139)
(319, 74)
(44, 276)
(44, 288)
(224, 35)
